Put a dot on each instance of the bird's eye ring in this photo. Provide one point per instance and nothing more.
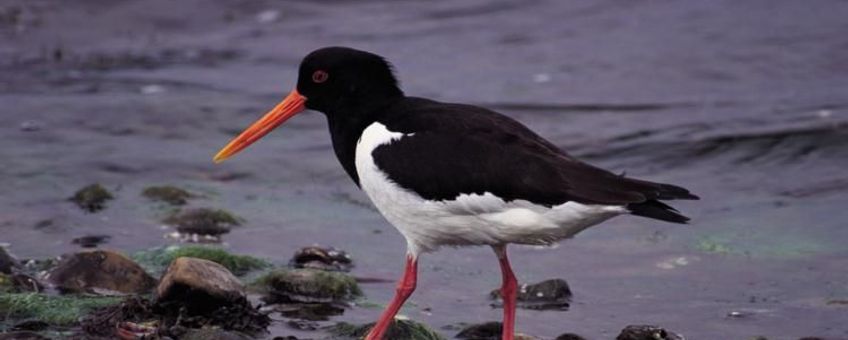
(320, 76)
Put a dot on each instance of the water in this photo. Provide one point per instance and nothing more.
(744, 103)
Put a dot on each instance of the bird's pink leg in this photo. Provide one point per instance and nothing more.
(405, 287)
(509, 288)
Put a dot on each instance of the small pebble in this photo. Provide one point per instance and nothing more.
(541, 78)
(31, 125)
(152, 89)
(268, 16)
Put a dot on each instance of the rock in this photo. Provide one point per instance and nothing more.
(309, 311)
(399, 330)
(100, 271)
(485, 331)
(203, 221)
(30, 325)
(91, 241)
(570, 336)
(322, 258)
(647, 332)
(209, 333)
(195, 292)
(22, 335)
(551, 294)
(168, 194)
(202, 284)
(7, 261)
(91, 198)
(307, 286)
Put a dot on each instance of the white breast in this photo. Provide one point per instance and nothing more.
(470, 219)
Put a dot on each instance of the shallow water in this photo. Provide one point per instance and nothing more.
(744, 103)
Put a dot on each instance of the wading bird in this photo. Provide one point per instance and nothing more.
(453, 174)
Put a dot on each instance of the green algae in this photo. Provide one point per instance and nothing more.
(714, 245)
(761, 245)
(54, 310)
(157, 259)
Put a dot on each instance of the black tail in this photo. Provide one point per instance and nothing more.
(657, 210)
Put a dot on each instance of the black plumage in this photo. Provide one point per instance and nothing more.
(454, 149)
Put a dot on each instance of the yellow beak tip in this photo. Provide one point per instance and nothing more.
(218, 159)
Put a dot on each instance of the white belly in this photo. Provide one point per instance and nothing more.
(469, 219)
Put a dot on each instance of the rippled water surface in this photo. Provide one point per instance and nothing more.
(744, 103)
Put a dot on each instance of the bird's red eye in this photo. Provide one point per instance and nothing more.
(320, 76)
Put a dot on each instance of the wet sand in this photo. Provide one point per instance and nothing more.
(743, 103)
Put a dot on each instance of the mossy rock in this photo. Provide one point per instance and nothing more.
(307, 286)
(158, 258)
(168, 194)
(203, 221)
(398, 330)
(92, 198)
(55, 310)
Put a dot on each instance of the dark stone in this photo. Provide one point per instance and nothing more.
(484, 331)
(647, 332)
(203, 221)
(168, 194)
(322, 258)
(7, 261)
(91, 198)
(30, 325)
(551, 294)
(398, 330)
(91, 241)
(570, 336)
(309, 311)
(22, 335)
(101, 272)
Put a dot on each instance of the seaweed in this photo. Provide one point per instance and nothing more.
(158, 258)
(55, 310)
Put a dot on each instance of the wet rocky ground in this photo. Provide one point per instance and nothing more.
(742, 102)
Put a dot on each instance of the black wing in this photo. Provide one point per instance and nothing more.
(461, 149)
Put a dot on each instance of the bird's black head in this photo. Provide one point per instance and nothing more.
(341, 80)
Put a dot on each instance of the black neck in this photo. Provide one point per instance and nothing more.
(346, 126)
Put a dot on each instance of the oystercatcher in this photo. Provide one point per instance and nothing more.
(452, 174)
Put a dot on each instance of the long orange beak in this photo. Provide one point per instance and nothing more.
(290, 106)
